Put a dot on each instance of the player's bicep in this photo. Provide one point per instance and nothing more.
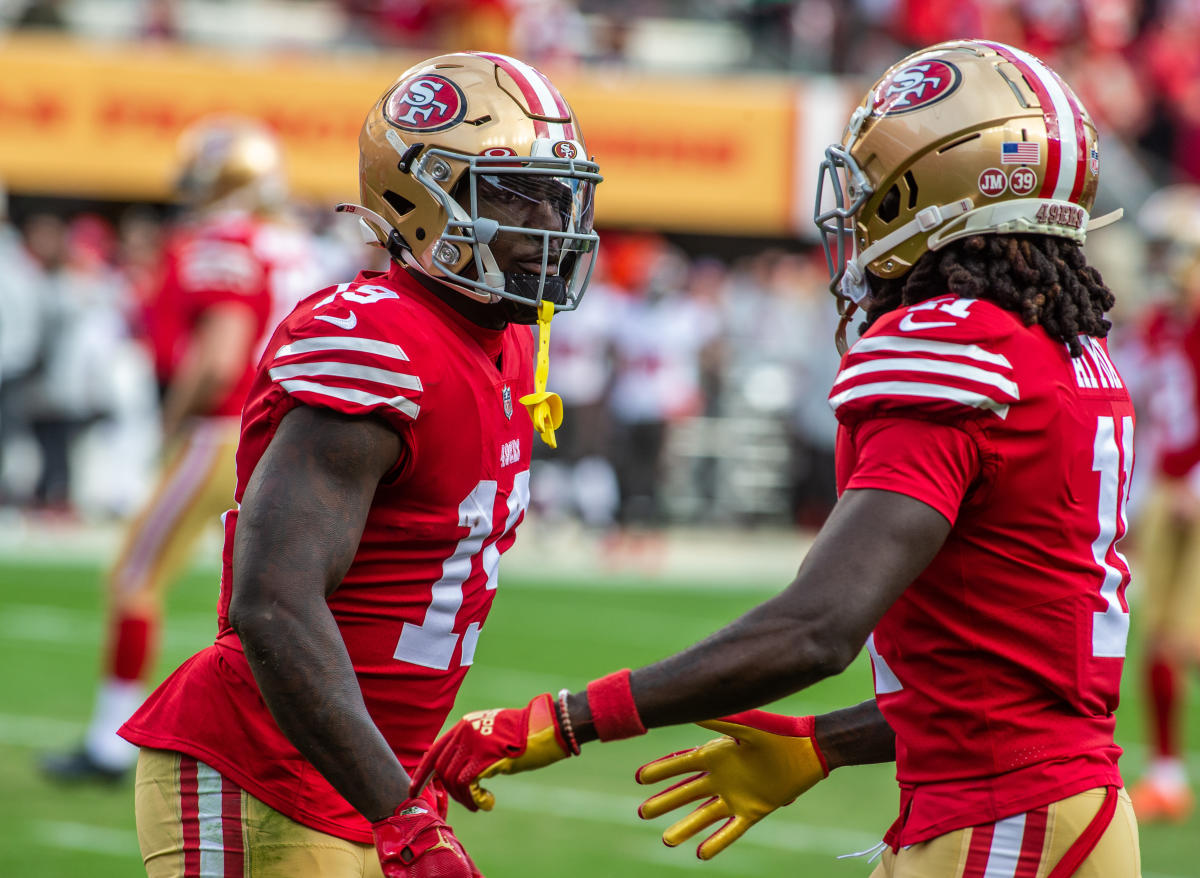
(872, 546)
(306, 503)
(936, 463)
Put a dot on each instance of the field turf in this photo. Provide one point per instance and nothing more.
(576, 818)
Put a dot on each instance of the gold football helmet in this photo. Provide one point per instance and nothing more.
(1170, 221)
(473, 159)
(964, 138)
(230, 162)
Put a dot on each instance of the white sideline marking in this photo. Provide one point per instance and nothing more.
(83, 837)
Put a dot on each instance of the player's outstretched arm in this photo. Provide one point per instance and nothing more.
(762, 762)
(873, 545)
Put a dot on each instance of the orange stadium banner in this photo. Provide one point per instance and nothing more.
(720, 156)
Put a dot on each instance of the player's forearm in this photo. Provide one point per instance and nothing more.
(759, 658)
(304, 673)
(856, 735)
(873, 545)
(194, 391)
(216, 356)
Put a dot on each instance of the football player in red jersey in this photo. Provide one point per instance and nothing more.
(227, 269)
(1167, 350)
(383, 468)
(984, 450)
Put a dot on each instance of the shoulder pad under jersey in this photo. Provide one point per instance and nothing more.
(946, 359)
(355, 350)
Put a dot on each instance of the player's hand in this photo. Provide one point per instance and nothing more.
(764, 761)
(416, 842)
(490, 742)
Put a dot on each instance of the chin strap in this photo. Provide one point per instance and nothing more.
(545, 409)
(839, 337)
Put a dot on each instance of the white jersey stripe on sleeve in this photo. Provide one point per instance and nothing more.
(937, 367)
(347, 370)
(350, 394)
(904, 345)
(918, 388)
(342, 343)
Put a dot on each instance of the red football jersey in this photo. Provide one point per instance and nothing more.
(411, 607)
(1167, 353)
(230, 257)
(999, 667)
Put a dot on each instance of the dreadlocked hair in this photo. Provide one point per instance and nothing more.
(1045, 280)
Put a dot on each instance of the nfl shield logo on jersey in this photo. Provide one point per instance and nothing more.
(506, 395)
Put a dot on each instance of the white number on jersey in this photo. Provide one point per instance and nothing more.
(1110, 629)
(885, 678)
(364, 294)
(431, 644)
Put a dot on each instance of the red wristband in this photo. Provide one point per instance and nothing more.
(614, 714)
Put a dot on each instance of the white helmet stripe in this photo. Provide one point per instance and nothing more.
(1066, 143)
(543, 98)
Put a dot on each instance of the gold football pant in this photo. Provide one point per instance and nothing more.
(195, 488)
(1168, 577)
(194, 823)
(1037, 844)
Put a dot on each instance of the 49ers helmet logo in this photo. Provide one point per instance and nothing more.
(916, 86)
(426, 103)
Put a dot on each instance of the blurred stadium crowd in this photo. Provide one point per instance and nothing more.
(691, 361)
(695, 375)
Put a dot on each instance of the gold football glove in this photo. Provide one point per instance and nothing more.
(764, 761)
(490, 742)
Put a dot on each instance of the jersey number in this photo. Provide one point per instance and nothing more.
(431, 644)
(364, 294)
(1110, 628)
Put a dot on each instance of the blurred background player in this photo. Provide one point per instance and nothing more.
(1165, 378)
(984, 451)
(234, 264)
(383, 468)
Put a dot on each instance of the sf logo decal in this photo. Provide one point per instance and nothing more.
(426, 103)
(916, 86)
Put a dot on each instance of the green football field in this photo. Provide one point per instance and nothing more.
(576, 818)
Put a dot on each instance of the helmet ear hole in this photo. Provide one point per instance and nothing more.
(912, 189)
(889, 207)
(399, 203)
